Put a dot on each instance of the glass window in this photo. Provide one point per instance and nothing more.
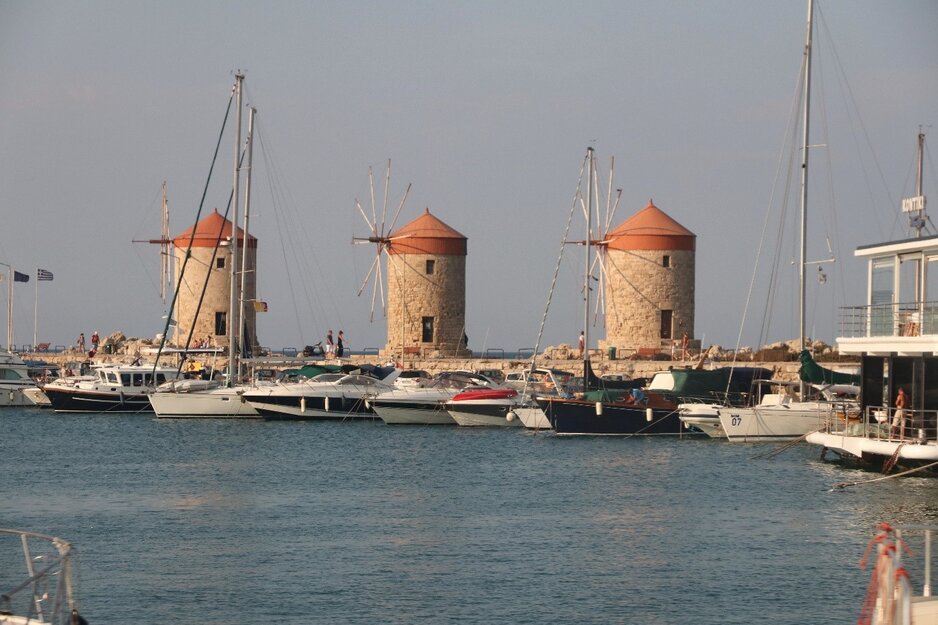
(431, 264)
(882, 288)
(125, 379)
(220, 262)
(666, 316)
(427, 329)
(666, 260)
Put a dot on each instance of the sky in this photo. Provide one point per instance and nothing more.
(487, 109)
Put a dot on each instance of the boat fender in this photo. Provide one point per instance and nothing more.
(599, 409)
(302, 404)
(648, 414)
(510, 416)
(327, 403)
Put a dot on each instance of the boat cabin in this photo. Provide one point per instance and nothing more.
(896, 331)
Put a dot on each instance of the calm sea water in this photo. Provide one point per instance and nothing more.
(250, 522)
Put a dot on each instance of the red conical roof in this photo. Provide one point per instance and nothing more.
(207, 233)
(651, 229)
(427, 235)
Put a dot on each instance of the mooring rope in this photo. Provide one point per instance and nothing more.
(778, 450)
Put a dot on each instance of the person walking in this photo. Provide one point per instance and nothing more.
(582, 343)
(340, 344)
(330, 344)
(81, 342)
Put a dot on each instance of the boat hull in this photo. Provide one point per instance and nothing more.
(63, 400)
(311, 408)
(532, 417)
(748, 425)
(469, 414)
(866, 450)
(413, 413)
(213, 404)
(572, 416)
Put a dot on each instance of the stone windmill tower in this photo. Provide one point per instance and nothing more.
(650, 281)
(211, 262)
(426, 288)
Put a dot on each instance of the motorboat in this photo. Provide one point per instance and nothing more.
(426, 405)
(781, 415)
(38, 584)
(532, 383)
(485, 407)
(412, 378)
(201, 399)
(599, 412)
(14, 380)
(327, 396)
(119, 388)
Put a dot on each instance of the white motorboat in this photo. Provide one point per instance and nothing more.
(111, 388)
(541, 381)
(201, 399)
(14, 380)
(782, 416)
(703, 417)
(487, 407)
(426, 405)
(38, 569)
(326, 396)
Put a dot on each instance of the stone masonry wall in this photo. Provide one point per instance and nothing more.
(412, 295)
(638, 287)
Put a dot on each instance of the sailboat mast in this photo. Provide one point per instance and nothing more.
(586, 275)
(233, 240)
(247, 217)
(804, 178)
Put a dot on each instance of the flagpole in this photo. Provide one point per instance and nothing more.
(9, 307)
(36, 314)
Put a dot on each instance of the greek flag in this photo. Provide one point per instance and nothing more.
(42, 274)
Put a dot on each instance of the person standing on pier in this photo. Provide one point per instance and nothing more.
(340, 344)
(582, 343)
(81, 342)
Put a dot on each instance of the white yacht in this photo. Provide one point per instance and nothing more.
(781, 415)
(541, 381)
(326, 396)
(14, 380)
(111, 388)
(201, 399)
(426, 405)
(486, 407)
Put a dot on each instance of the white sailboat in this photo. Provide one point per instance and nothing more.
(779, 417)
(212, 400)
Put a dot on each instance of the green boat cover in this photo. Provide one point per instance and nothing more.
(814, 373)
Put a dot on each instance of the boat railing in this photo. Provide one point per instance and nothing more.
(900, 559)
(883, 423)
(891, 319)
(40, 590)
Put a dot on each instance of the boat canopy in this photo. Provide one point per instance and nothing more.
(814, 373)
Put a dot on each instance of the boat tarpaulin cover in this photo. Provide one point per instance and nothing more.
(814, 373)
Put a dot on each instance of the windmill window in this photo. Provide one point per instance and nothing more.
(427, 329)
(220, 263)
(666, 316)
(431, 264)
(221, 325)
(666, 260)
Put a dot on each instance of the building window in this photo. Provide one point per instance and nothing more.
(430, 266)
(221, 323)
(666, 260)
(220, 263)
(427, 329)
(666, 324)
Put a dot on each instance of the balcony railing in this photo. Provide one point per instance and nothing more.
(902, 319)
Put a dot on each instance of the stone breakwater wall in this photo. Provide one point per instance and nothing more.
(783, 370)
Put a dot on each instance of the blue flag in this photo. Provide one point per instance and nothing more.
(20, 277)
